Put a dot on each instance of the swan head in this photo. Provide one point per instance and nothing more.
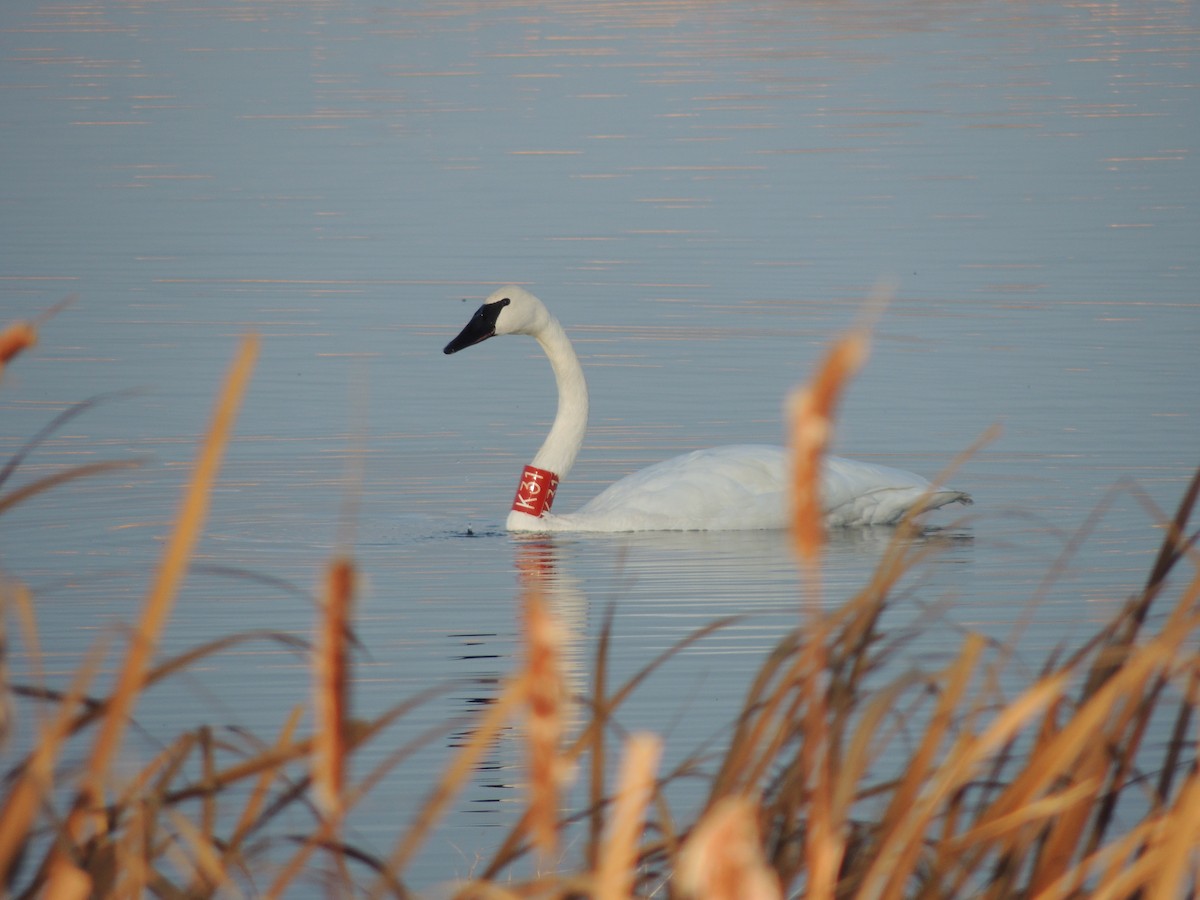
(510, 310)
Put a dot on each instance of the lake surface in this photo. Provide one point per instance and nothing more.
(704, 193)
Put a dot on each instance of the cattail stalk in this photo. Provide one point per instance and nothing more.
(812, 410)
(635, 787)
(723, 857)
(15, 338)
(546, 695)
(20, 336)
(331, 689)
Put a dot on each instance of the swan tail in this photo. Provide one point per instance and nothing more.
(938, 499)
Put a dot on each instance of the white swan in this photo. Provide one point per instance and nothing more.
(741, 486)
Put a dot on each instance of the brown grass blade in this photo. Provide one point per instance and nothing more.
(1174, 544)
(453, 777)
(1165, 859)
(208, 768)
(204, 862)
(867, 742)
(50, 312)
(1189, 705)
(1125, 630)
(42, 435)
(758, 733)
(953, 686)
(1068, 829)
(1115, 698)
(41, 485)
(93, 709)
(600, 714)
(257, 798)
(635, 786)
(1036, 811)
(150, 783)
(331, 688)
(1176, 859)
(484, 890)
(1077, 752)
(167, 580)
(273, 758)
(901, 848)
(14, 593)
(824, 842)
(35, 780)
(134, 849)
(1114, 858)
(324, 837)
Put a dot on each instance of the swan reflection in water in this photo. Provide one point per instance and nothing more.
(736, 487)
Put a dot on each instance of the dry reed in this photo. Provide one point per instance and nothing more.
(546, 699)
(18, 337)
(723, 857)
(331, 688)
(812, 408)
(616, 871)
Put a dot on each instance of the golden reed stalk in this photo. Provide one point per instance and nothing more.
(635, 787)
(17, 337)
(723, 858)
(546, 699)
(331, 688)
(812, 409)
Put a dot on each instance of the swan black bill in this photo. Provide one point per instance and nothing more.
(481, 327)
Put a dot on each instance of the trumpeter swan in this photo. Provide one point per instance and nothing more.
(741, 486)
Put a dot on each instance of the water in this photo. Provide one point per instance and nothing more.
(704, 194)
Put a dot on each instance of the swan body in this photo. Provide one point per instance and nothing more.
(735, 487)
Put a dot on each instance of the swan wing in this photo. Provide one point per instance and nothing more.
(717, 489)
(858, 493)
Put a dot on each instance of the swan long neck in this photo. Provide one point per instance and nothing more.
(558, 451)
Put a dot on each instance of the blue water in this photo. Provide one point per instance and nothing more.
(704, 194)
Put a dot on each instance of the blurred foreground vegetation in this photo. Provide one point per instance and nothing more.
(1082, 783)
